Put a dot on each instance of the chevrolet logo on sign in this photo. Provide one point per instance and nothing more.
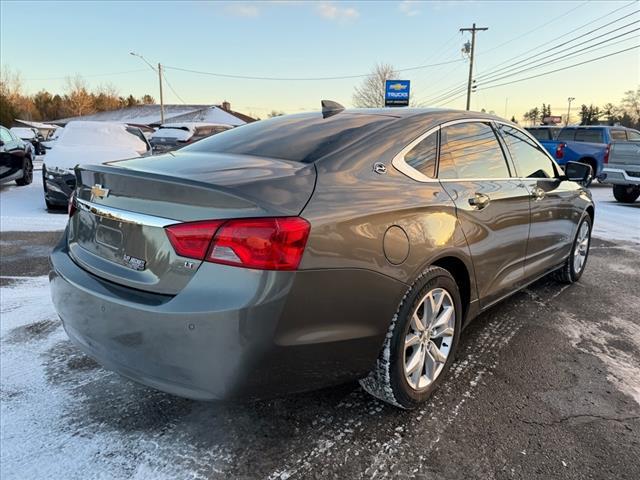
(398, 86)
(98, 192)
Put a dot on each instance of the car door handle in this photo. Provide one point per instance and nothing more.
(538, 193)
(479, 200)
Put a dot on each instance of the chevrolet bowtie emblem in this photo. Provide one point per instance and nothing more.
(98, 192)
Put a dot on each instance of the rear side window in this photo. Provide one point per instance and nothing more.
(529, 159)
(567, 134)
(471, 150)
(589, 135)
(304, 137)
(618, 135)
(422, 157)
(540, 133)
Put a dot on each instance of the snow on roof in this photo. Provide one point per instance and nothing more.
(150, 115)
(38, 125)
(24, 133)
(98, 134)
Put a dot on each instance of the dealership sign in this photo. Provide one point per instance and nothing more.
(552, 119)
(396, 93)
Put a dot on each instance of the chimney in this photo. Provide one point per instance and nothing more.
(226, 106)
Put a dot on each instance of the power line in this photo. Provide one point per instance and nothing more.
(566, 43)
(563, 68)
(302, 79)
(572, 31)
(172, 89)
(535, 29)
(591, 48)
(485, 76)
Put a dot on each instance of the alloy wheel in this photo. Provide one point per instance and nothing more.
(429, 338)
(581, 248)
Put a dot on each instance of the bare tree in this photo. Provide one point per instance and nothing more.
(631, 103)
(80, 100)
(370, 93)
(274, 113)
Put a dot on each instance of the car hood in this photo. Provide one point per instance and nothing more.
(66, 157)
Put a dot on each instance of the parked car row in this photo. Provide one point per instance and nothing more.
(175, 135)
(32, 136)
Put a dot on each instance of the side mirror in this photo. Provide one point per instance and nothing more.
(578, 172)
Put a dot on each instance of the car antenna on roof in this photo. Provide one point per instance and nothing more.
(329, 108)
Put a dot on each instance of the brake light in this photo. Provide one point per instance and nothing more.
(260, 243)
(560, 150)
(606, 153)
(71, 206)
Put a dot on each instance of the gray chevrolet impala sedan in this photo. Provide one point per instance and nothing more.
(313, 249)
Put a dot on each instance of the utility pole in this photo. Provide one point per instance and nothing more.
(570, 99)
(161, 98)
(159, 78)
(473, 31)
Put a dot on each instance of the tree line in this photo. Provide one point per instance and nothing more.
(77, 99)
(626, 113)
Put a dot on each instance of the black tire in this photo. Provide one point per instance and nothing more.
(568, 273)
(387, 380)
(626, 193)
(27, 173)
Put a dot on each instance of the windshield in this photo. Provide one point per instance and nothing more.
(304, 137)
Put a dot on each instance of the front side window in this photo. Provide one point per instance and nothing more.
(471, 150)
(529, 159)
(589, 135)
(422, 157)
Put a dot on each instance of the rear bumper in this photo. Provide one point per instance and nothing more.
(230, 332)
(619, 176)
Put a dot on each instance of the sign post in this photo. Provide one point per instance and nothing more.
(396, 93)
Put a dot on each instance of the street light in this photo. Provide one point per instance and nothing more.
(159, 70)
(570, 99)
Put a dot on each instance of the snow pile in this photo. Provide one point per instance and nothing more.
(22, 209)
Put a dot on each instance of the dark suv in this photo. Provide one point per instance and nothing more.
(15, 160)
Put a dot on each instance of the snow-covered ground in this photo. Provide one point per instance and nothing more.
(22, 209)
(615, 221)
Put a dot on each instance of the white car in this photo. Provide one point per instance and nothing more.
(87, 143)
(175, 135)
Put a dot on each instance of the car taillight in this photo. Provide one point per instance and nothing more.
(260, 243)
(192, 239)
(71, 206)
(606, 153)
(560, 150)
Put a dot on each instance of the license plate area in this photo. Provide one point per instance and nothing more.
(109, 237)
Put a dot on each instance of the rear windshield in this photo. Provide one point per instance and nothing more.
(304, 137)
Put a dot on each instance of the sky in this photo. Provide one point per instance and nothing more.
(287, 39)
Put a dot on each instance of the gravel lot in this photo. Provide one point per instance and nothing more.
(545, 385)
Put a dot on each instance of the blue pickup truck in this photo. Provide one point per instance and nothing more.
(588, 144)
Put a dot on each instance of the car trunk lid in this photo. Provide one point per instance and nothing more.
(118, 231)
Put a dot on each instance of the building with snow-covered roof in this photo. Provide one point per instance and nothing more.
(149, 115)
